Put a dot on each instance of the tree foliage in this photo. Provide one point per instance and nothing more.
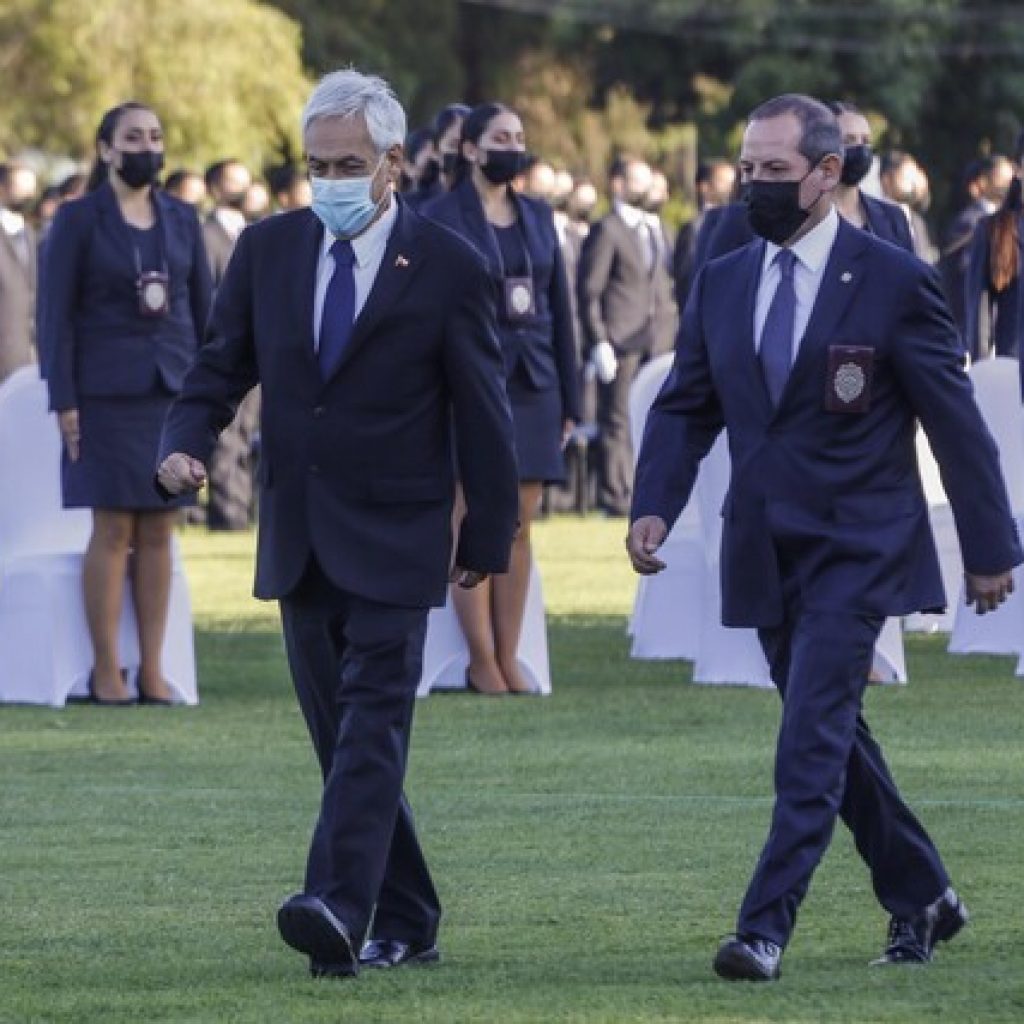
(224, 77)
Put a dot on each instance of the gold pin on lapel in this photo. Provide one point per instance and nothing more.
(401, 261)
(846, 277)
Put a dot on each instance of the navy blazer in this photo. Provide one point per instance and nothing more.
(835, 494)
(545, 344)
(1007, 306)
(727, 228)
(93, 340)
(358, 470)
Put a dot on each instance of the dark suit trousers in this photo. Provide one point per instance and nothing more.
(615, 479)
(355, 664)
(231, 470)
(828, 764)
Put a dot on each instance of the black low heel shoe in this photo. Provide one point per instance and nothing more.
(107, 702)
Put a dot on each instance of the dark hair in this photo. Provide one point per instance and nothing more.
(474, 125)
(177, 177)
(72, 183)
(1004, 239)
(105, 133)
(416, 141)
(842, 107)
(1018, 150)
(283, 178)
(820, 134)
(215, 172)
(448, 116)
(621, 163)
(889, 162)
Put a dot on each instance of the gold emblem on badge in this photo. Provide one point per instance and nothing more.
(849, 383)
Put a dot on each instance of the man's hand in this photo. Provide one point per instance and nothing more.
(466, 578)
(180, 473)
(604, 361)
(568, 426)
(987, 593)
(70, 432)
(646, 535)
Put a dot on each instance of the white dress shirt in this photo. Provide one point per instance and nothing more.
(232, 221)
(369, 251)
(811, 252)
(639, 221)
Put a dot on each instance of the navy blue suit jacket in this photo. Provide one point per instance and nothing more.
(835, 495)
(727, 228)
(93, 340)
(358, 470)
(1007, 305)
(545, 344)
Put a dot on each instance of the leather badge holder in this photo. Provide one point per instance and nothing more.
(848, 382)
(519, 300)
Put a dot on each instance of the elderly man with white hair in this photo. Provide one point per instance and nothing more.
(371, 331)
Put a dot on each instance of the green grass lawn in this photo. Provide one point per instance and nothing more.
(590, 848)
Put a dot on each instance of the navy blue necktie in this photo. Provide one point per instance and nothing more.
(776, 351)
(339, 308)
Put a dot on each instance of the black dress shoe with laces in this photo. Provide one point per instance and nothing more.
(912, 941)
(395, 953)
(307, 924)
(747, 959)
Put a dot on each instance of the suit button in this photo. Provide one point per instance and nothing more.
(314, 469)
(318, 411)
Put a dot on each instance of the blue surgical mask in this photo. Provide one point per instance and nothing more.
(345, 205)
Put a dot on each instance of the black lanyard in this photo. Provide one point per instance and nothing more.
(518, 224)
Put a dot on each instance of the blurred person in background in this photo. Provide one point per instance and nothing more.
(421, 172)
(18, 259)
(290, 188)
(188, 186)
(516, 235)
(904, 182)
(257, 202)
(993, 293)
(880, 217)
(447, 135)
(666, 318)
(539, 181)
(126, 300)
(230, 502)
(713, 184)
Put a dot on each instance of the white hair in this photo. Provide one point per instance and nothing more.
(349, 92)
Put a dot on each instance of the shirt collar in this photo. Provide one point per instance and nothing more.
(813, 249)
(632, 215)
(12, 223)
(370, 244)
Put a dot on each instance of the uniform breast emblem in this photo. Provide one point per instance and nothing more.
(849, 382)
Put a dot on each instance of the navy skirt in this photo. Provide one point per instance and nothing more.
(537, 423)
(120, 440)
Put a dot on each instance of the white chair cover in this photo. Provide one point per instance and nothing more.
(997, 392)
(947, 544)
(446, 657)
(45, 652)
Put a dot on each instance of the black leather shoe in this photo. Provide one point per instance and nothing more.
(913, 941)
(395, 953)
(307, 924)
(747, 959)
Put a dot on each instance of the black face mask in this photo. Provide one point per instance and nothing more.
(431, 174)
(140, 169)
(503, 165)
(857, 162)
(773, 208)
(449, 161)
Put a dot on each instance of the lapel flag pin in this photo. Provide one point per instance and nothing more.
(401, 261)
(846, 277)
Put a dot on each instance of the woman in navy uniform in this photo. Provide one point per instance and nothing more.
(516, 236)
(127, 296)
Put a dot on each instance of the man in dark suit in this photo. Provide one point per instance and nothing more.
(370, 340)
(621, 277)
(826, 529)
(231, 483)
(714, 182)
(18, 260)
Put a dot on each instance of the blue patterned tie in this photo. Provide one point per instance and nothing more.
(339, 308)
(776, 352)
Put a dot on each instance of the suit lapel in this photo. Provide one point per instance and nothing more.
(840, 282)
(303, 283)
(398, 266)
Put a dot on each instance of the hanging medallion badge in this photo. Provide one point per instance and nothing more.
(519, 302)
(850, 371)
(153, 288)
